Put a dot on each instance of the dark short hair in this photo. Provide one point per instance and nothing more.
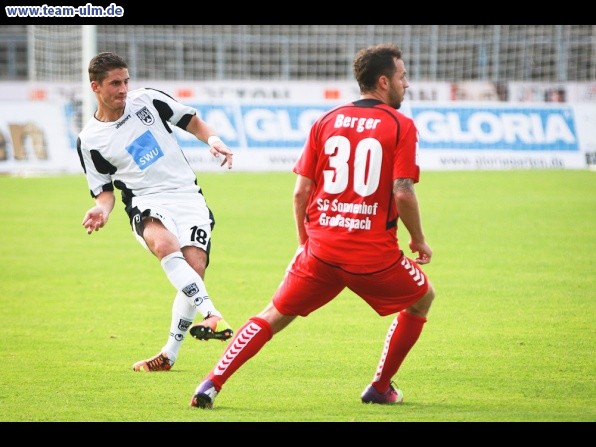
(375, 61)
(104, 62)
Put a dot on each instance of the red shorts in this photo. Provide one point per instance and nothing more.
(310, 283)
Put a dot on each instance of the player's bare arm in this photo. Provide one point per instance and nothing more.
(203, 132)
(98, 216)
(302, 192)
(409, 214)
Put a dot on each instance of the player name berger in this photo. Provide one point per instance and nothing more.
(359, 123)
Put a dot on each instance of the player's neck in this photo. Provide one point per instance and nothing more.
(373, 95)
(108, 115)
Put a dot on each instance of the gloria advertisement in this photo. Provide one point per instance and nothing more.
(504, 137)
(268, 135)
(466, 136)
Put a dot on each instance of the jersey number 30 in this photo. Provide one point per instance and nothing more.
(367, 165)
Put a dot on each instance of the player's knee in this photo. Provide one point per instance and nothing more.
(429, 296)
(422, 306)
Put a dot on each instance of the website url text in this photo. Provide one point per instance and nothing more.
(88, 10)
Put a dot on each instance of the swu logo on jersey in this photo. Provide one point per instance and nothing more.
(145, 150)
(145, 116)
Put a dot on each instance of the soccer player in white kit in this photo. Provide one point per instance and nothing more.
(129, 144)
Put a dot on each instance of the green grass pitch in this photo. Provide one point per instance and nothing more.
(510, 337)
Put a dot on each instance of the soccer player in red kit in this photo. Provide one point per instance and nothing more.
(355, 179)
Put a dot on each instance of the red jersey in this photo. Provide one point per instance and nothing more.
(353, 154)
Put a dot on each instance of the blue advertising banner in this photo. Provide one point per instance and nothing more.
(502, 128)
(268, 136)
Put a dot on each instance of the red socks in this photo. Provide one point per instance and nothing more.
(249, 340)
(402, 335)
(256, 332)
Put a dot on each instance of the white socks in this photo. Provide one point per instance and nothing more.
(186, 280)
(183, 314)
(192, 297)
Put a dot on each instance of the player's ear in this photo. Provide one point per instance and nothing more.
(383, 82)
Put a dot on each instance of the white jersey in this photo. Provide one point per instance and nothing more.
(139, 153)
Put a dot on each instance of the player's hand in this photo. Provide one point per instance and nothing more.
(219, 147)
(424, 252)
(95, 219)
(422, 258)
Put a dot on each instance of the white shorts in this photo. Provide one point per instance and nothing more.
(186, 215)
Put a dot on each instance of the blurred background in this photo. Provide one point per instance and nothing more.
(287, 64)
(497, 53)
